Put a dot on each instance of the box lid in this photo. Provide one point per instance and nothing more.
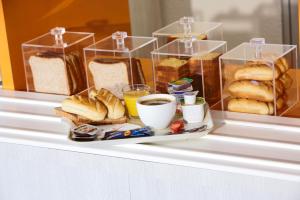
(187, 24)
(58, 37)
(258, 49)
(184, 47)
(122, 43)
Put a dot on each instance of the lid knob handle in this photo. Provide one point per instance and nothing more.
(186, 22)
(257, 43)
(58, 32)
(119, 36)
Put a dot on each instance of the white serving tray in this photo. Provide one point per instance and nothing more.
(159, 135)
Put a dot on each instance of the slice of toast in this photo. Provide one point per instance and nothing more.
(111, 76)
(50, 75)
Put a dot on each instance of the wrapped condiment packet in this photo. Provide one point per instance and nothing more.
(87, 132)
(181, 84)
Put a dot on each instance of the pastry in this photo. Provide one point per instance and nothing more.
(114, 74)
(92, 110)
(256, 90)
(113, 104)
(254, 106)
(259, 72)
(250, 106)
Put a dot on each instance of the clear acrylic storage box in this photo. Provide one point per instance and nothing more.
(54, 62)
(259, 78)
(187, 25)
(120, 60)
(196, 60)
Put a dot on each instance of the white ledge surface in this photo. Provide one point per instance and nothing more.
(270, 149)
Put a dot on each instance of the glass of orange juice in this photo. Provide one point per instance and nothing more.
(131, 93)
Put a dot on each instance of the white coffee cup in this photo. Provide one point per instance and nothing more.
(193, 113)
(157, 116)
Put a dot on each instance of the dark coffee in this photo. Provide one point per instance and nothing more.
(155, 102)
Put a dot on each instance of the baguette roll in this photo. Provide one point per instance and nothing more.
(81, 106)
(250, 106)
(256, 90)
(114, 105)
(254, 107)
(259, 72)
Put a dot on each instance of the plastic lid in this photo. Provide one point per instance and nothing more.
(121, 42)
(58, 37)
(257, 49)
(187, 24)
(198, 47)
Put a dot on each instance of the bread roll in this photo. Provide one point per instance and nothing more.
(286, 80)
(253, 106)
(280, 102)
(279, 87)
(259, 72)
(252, 90)
(82, 106)
(250, 106)
(282, 64)
(114, 105)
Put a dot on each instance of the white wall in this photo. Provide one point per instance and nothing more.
(243, 19)
(33, 173)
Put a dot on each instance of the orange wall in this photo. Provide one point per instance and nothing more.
(28, 19)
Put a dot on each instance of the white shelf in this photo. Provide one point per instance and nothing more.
(250, 148)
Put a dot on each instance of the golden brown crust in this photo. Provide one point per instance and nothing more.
(259, 72)
(171, 69)
(113, 104)
(282, 64)
(252, 90)
(250, 106)
(82, 106)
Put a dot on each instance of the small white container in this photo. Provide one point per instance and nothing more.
(193, 113)
(190, 98)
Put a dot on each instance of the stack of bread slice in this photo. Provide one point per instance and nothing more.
(256, 87)
(168, 70)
